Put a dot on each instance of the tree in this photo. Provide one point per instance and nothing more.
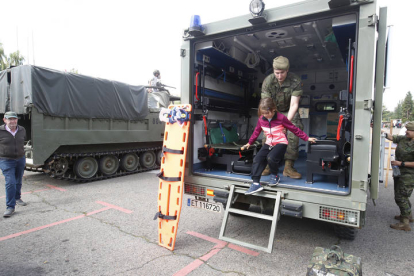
(15, 59)
(407, 107)
(3, 59)
(398, 110)
(386, 114)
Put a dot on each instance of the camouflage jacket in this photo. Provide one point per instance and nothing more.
(332, 262)
(404, 151)
(281, 94)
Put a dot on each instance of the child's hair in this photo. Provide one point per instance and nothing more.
(266, 104)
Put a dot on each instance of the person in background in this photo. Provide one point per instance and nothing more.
(154, 80)
(403, 184)
(12, 160)
(285, 88)
(272, 123)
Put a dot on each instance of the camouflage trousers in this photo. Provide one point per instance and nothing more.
(292, 152)
(403, 188)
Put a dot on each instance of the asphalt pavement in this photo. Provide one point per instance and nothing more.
(107, 228)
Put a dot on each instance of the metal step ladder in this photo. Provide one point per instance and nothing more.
(234, 191)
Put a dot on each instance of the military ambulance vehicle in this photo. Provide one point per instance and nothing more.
(337, 49)
(82, 128)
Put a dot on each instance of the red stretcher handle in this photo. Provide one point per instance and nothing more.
(197, 86)
(338, 132)
(205, 124)
(351, 75)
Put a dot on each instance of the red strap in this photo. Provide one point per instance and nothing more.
(205, 124)
(197, 87)
(351, 81)
(240, 154)
(338, 132)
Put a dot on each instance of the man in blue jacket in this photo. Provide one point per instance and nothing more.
(12, 160)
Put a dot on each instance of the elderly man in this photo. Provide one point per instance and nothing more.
(286, 89)
(12, 160)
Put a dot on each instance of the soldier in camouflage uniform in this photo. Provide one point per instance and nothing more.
(404, 184)
(286, 89)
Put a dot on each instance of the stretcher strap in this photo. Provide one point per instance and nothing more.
(162, 216)
(172, 151)
(171, 179)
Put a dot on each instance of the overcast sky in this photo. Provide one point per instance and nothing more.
(126, 40)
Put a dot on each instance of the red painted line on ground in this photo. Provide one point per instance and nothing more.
(56, 188)
(243, 250)
(216, 249)
(207, 238)
(189, 268)
(30, 192)
(108, 206)
(50, 186)
(114, 207)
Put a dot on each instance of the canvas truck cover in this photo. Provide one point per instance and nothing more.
(64, 94)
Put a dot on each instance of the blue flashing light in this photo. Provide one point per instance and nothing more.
(195, 22)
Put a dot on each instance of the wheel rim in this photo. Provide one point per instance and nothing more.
(109, 164)
(129, 162)
(59, 167)
(86, 167)
(147, 159)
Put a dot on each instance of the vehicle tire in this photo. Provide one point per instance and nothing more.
(147, 159)
(159, 158)
(345, 232)
(86, 167)
(58, 167)
(109, 164)
(129, 162)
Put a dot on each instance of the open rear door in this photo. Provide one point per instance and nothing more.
(379, 90)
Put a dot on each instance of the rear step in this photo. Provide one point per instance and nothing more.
(238, 190)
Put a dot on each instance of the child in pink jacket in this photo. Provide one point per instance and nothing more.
(272, 123)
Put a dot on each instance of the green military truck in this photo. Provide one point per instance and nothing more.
(82, 128)
(338, 50)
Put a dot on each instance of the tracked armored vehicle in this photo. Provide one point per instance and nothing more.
(82, 128)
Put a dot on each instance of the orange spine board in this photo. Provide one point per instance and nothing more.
(170, 193)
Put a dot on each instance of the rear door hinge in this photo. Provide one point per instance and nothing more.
(368, 104)
(363, 185)
(372, 20)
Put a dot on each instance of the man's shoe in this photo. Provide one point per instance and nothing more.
(254, 188)
(410, 218)
(403, 225)
(274, 180)
(266, 171)
(290, 171)
(20, 202)
(9, 212)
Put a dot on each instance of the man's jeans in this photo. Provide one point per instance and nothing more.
(13, 173)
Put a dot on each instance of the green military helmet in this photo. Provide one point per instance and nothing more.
(156, 72)
(409, 126)
(281, 63)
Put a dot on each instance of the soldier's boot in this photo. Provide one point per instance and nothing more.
(404, 224)
(290, 171)
(266, 171)
(410, 217)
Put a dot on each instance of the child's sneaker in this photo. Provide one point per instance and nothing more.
(274, 180)
(254, 188)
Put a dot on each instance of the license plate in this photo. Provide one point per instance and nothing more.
(216, 208)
